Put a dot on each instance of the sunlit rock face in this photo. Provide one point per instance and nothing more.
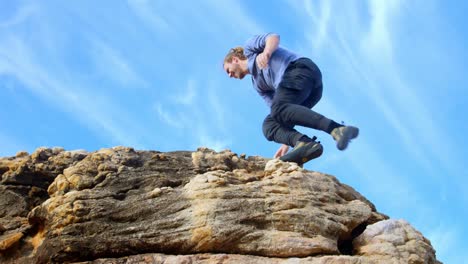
(120, 205)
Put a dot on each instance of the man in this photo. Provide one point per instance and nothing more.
(291, 85)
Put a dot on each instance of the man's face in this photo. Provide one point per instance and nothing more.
(234, 69)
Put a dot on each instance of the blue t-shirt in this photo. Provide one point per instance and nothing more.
(266, 81)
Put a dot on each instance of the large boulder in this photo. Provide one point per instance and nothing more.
(120, 205)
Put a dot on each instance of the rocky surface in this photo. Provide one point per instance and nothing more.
(120, 205)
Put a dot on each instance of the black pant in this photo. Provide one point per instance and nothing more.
(300, 89)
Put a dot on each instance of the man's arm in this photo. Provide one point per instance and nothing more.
(281, 151)
(271, 44)
(257, 43)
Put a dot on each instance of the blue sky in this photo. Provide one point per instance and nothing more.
(148, 74)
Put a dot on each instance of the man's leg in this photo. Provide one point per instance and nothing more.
(305, 148)
(280, 133)
(300, 90)
(309, 92)
(341, 134)
(290, 113)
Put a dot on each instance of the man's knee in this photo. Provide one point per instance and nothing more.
(268, 127)
(313, 99)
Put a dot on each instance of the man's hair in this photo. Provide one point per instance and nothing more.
(235, 52)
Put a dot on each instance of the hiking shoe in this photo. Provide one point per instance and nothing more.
(303, 152)
(343, 135)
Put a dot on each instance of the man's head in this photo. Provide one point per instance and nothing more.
(235, 63)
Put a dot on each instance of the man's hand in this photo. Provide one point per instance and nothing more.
(281, 151)
(263, 59)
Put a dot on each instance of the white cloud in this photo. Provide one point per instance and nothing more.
(99, 114)
(145, 11)
(379, 43)
(217, 109)
(377, 46)
(235, 17)
(371, 89)
(114, 66)
(169, 118)
(322, 20)
(210, 16)
(187, 97)
(201, 120)
(416, 127)
(208, 141)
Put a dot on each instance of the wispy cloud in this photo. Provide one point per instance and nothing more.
(144, 10)
(212, 142)
(322, 20)
(168, 117)
(229, 11)
(197, 108)
(371, 89)
(200, 118)
(114, 66)
(417, 125)
(187, 96)
(156, 15)
(218, 110)
(378, 42)
(376, 51)
(98, 113)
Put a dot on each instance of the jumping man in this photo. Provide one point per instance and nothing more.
(291, 85)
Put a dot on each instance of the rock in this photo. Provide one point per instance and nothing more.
(119, 205)
(227, 259)
(394, 240)
(21, 154)
(8, 240)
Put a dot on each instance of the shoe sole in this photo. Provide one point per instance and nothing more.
(349, 133)
(301, 156)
